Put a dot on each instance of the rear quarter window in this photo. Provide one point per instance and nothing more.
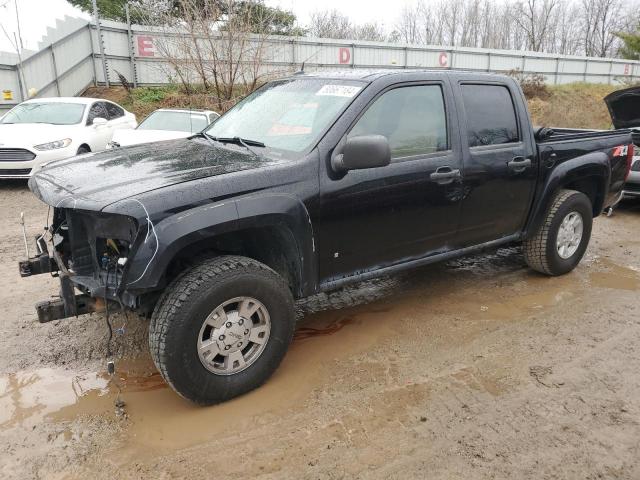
(114, 110)
(491, 116)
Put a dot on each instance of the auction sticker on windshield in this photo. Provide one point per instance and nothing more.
(339, 90)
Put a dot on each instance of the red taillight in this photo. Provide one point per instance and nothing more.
(630, 150)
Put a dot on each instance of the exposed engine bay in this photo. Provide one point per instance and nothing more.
(89, 251)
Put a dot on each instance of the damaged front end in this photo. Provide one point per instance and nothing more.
(89, 252)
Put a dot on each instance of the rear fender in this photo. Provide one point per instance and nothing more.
(593, 165)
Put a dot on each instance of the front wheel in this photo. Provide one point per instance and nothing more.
(221, 329)
(560, 242)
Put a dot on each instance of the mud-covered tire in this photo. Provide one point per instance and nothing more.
(178, 319)
(541, 249)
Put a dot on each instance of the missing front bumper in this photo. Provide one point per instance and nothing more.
(58, 309)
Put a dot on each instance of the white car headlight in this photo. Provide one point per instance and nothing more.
(65, 142)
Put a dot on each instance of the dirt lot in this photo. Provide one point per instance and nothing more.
(477, 368)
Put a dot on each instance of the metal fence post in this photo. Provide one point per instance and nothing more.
(586, 66)
(556, 80)
(56, 79)
(293, 54)
(610, 78)
(132, 54)
(100, 42)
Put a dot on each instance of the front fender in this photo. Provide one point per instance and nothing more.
(175, 233)
(592, 165)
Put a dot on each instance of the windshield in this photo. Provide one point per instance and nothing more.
(288, 114)
(56, 113)
(175, 121)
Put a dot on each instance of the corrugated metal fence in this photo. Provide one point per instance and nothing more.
(70, 64)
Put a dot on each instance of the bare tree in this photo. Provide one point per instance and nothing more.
(372, 32)
(534, 18)
(330, 24)
(601, 20)
(220, 45)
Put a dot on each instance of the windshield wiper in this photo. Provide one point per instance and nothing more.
(206, 136)
(245, 142)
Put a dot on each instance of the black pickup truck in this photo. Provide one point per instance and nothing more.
(309, 183)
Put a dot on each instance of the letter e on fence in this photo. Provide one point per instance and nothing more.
(627, 69)
(145, 46)
(344, 55)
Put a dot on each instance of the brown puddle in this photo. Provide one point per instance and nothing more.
(616, 277)
(161, 419)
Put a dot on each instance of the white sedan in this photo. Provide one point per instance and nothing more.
(41, 130)
(165, 124)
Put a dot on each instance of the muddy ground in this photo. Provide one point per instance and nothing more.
(477, 368)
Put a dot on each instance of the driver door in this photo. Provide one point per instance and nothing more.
(383, 216)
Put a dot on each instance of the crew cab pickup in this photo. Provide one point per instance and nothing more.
(309, 183)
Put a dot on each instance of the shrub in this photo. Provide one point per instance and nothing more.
(532, 84)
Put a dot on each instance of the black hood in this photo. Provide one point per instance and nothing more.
(94, 181)
(624, 107)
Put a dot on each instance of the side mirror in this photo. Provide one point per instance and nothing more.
(99, 121)
(364, 151)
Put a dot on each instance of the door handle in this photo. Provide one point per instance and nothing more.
(519, 164)
(445, 175)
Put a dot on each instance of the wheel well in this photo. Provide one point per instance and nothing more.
(274, 246)
(85, 146)
(592, 188)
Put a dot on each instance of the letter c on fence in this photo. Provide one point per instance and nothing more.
(443, 59)
(145, 46)
(344, 55)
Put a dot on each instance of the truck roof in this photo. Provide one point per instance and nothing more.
(373, 74)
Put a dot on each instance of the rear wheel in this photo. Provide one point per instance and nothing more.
(560, 242)
(221, 329)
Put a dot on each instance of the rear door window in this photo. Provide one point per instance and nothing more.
(412, 118)
(491, 116)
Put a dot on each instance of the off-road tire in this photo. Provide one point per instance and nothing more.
(540, 250)
(186, 303)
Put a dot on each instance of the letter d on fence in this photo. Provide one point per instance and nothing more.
(344, 55)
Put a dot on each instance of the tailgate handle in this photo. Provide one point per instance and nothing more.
(519, 164)
(445, 175)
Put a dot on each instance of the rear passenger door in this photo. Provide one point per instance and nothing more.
(500, 166)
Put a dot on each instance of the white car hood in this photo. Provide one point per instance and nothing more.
(26, 135)
(134, 137)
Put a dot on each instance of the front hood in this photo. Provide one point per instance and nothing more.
(26, 135)
(133, 137)
(624, 107)
(95, 180)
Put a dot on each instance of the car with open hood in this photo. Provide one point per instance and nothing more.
(624, 107)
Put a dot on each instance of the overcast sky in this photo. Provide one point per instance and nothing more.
(36, 15)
